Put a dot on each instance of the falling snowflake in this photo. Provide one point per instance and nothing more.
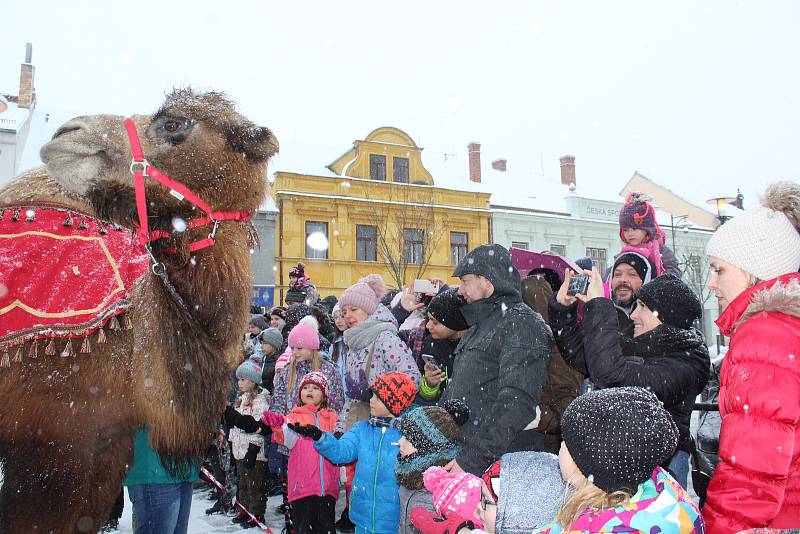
(179, 225)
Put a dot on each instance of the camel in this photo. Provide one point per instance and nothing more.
(67, 423)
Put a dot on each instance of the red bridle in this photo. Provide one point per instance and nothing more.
(140, 168)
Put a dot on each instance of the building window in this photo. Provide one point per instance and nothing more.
(520, 244)
(366, 242)
(561, 250)
(413, 245)
(316, 240)
(377, 167)
(598, 257)
(459, 244)
(400, 170)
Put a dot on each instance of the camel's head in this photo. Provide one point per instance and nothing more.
(196, 139)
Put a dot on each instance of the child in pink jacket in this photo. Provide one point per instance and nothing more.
(313, 480)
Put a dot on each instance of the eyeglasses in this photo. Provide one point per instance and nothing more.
(486, 503)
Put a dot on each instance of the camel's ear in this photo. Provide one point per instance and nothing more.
(255, 142)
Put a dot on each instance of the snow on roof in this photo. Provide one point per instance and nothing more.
(268, 205)
(13, 117)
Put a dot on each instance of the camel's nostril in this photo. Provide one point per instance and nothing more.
(70, 126)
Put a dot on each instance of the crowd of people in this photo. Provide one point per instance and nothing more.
(516, 405)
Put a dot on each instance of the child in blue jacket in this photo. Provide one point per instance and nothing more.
(375, 501)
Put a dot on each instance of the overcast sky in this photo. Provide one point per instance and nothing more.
(702, 97)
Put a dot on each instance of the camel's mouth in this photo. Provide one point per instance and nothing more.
(76, 157)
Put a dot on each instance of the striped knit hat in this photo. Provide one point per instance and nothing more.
(433, 431)
(317, 378)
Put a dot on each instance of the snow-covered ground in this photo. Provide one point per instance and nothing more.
(200, 523)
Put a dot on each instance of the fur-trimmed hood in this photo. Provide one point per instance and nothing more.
(781, 295)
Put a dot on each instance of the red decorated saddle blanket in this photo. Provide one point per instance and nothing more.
(63, 273)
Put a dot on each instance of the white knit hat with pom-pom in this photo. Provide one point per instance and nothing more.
(763, 241)
(365, 294)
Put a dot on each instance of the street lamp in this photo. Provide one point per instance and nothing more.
(677, 220)
(721, 205)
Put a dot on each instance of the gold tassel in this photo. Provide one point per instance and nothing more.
(83, 225)
(127, 323)
(18, 355)
(67, 352)
(50, 349)
(113, 324)
(33, 352)
(101, 336)
(68, 221)
(86, 348)
(4, 361)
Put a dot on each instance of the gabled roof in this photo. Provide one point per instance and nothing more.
(384, 140)
(669, 202)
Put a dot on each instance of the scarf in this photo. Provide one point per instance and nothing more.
(385, 422)
(365, 332)
(660, 341)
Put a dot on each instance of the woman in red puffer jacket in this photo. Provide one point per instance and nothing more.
(754, 260)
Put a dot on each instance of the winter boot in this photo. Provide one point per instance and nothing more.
(241, 518)
(251, 523)
(344, 524)
(217, 508)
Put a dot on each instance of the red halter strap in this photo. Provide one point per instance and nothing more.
(141, 168)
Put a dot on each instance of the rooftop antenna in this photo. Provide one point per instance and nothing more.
(448, 155)
(541, 158)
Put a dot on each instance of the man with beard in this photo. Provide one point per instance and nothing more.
(631, 271)
(665, 355)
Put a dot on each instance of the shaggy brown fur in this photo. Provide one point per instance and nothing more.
(67, 424)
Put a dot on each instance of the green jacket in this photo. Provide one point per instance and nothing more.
(147, 469)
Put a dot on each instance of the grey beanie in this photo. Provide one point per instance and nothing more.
(259, 321)
(272, 336)
(531, 491)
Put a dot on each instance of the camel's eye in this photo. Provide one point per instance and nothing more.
(171, 128)
(172, 125)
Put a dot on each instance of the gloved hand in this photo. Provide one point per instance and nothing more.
(338, 435)
(231, 416)
(247, 423)
(309, 431)
(273, 419)
(250, 457)
(432, 523)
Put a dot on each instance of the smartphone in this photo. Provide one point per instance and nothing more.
(425, 287)
(427, 358)
(578, 285)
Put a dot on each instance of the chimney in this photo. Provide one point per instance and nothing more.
(27, 94)
(474, 150)
(499, 164)
(567, 170)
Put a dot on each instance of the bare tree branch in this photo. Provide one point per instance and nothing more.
(406, 208)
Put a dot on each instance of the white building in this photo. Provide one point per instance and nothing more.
(552, 215)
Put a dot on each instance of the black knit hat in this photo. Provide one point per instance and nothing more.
(434, 432)
(640, 264)
(493, 262)
(618, 436)
(672, 301)
(446, 308)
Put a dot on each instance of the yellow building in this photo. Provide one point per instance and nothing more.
(379, 213)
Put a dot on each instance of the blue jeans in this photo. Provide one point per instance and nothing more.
(679, 465)
(161, 508)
